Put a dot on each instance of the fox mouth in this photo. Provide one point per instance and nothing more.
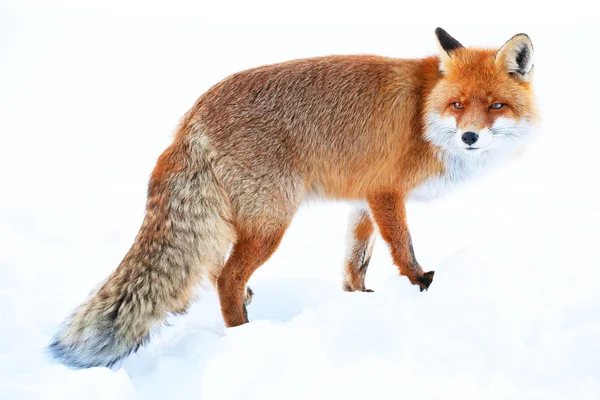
(474, 150)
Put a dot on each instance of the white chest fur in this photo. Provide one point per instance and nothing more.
(459, 168)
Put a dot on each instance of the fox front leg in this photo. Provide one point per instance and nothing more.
(389, 213)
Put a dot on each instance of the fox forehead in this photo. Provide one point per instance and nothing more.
(474, 76)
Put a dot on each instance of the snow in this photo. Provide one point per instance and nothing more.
(88, 104)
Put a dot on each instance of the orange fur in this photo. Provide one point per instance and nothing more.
(475, 81)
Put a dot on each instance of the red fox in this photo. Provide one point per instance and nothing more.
(255, 145)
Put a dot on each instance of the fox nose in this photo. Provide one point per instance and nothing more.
(470, 137)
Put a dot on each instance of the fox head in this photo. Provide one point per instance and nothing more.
(483, 102)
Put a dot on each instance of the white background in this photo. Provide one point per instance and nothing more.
(90, 93)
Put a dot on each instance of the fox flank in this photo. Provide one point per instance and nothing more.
(372, 129)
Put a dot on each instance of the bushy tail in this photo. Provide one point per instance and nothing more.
(185, 236)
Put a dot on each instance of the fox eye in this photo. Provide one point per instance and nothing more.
(458, 105)
(496, 106)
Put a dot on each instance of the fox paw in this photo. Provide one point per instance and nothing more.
(425, 280)
(360, 290)
(349, 288)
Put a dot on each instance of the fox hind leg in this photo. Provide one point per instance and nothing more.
(249, 252)
(361, 235)
(214, 275)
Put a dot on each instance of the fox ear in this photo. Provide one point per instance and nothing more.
(447, 44)
(516, 56)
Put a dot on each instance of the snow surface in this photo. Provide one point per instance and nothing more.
(89, 103)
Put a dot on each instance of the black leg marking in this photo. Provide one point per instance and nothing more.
(248, 296)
